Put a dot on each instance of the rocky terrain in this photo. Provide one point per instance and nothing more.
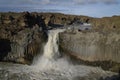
(9, 71)
(92, 46)
(22, 36)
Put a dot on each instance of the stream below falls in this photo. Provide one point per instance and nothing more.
(49, 66)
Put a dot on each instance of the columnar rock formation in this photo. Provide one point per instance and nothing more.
(92, 47)
(23, 34)
(22, 37)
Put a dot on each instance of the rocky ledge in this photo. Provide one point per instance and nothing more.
(22, 36)
(97, 48)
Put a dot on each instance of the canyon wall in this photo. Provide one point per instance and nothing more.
(95, 48)
(22, 37)
(23, 34)
(92, 45)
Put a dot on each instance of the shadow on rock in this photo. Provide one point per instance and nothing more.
(114, 77)
(57, 26)
(4, 48)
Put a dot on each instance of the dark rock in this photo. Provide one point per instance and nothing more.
(51, 21)
(21, 37)
(25, 45)
(24, 33)
(5, 48)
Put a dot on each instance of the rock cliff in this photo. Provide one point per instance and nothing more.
(23, 34)
(92, 46)
(105, 23)
(22, 37)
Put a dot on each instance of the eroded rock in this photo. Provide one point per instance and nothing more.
(99, 48)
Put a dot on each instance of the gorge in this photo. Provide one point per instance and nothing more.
(50, 65)
(46, 52)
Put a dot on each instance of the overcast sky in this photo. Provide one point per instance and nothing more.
(94, 8)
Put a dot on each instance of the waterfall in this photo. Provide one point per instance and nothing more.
(50, 52)
(51, 47)
(49, 67)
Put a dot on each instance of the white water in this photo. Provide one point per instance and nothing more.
(50, 67)
(51, 47)
(50, 53)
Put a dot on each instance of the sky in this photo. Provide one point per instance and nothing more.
(93, 8)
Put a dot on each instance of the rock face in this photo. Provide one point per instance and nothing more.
(92, 46)
(23, 34)
(23, 46)
(22, 37)
(105, 23)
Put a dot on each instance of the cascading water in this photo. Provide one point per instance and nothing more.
(50, 67)
(51, 48)
(50, 52)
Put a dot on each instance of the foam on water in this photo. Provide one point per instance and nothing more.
(49, 59)
(50, 67)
